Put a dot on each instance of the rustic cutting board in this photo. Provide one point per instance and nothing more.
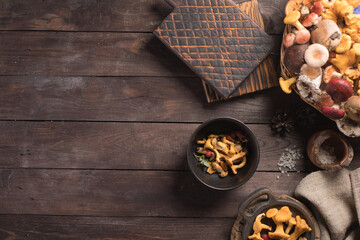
(216, 40)
(263, 77)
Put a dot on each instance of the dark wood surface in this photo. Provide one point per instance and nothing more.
(95, 118)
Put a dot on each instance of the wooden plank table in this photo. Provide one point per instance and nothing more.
(95, 117)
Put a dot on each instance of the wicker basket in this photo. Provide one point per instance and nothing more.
(343, 124)
(285, 73)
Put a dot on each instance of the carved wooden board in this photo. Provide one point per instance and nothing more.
(216, 40)
(263, 77)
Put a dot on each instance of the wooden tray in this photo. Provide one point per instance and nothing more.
(263, 77)
(263, 199)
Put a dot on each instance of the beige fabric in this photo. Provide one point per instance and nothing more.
(334, 197)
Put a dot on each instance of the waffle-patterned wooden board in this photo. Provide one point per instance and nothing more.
(263, 77)
(217, 40)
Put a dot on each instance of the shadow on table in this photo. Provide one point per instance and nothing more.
(196, 199)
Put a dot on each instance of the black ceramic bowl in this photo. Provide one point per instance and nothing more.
(221, 126)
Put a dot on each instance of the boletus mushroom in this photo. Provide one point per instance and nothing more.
(326, 33)
(294, 58)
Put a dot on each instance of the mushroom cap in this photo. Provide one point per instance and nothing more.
(328, 73)
(294, 57)
(304, 10)
(345, 44)
(271, 212)
(344, 61)
(284, 214)
(311, 72)
(296, 5)
(286, 84)
(302, 36)
(327, 3)
(292, 221)
(292, 17)
(356, 47)
(289, 40)
(326, 33)
(310, 20)
(316, 55)
(352, 108)
(317, 8)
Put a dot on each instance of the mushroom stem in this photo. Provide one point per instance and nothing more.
(291, 223)
(298, 25)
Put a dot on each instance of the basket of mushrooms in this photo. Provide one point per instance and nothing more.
(320, 58)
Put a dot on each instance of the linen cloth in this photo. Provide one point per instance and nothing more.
(334, 198)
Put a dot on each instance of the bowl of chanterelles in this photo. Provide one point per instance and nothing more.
(223, 153)
(320, 58)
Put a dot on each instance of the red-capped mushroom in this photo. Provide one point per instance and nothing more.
(289, 40)
(317, 8)
(311, 19)
(302, 36)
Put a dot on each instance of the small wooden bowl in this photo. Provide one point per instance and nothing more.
(329, 139)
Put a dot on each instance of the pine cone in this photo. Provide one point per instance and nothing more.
(282, 124)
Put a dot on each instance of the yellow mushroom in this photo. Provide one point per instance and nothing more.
(208, 144)
(344, 61)
(235, 168)
(222, 147)
(286, 84)
(292, 18)
(279, 217)
(219, 169)
(300, 228)
(345, 44)
(356, 47)
(291, 223)
(258, 227)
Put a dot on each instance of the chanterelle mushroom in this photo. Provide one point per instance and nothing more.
(316, 55)
(282, 216)
(345, 44)
(219, 169)
(286, 84)
(300, 228)
(291, 223)
(293, 19)
(258, 227)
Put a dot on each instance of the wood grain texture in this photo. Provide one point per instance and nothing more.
(134, 146)
(150, 146)
(88, 54)
(126, 193)
(109, 15)
(127, 99)
(39, 227)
